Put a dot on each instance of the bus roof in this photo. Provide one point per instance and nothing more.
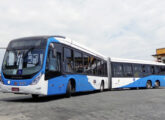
(41, 37)
(67, 41)
(136, 61)
(76, 45)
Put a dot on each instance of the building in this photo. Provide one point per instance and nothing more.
(160, 55)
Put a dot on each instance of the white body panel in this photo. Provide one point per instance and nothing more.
(96, 85)
(120, 82)
(40, 88)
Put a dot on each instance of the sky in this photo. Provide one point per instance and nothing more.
(130, 29)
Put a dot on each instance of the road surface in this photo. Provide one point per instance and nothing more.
(110, 105)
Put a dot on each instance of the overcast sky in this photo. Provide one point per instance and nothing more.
(116, 28)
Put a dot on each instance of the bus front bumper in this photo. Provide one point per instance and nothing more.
(31, 89)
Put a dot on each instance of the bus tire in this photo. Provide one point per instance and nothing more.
(35, 97)
(69, 90)
(149, 84)
(157, 84)
(102, 87)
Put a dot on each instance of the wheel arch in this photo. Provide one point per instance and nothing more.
(103, 81)
(152, 83)
(157, 81)
(73, 82)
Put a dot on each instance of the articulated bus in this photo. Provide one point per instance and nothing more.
(52, 65)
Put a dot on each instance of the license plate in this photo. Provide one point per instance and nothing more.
(15, 89)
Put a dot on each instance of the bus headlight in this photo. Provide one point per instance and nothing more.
(36, 80)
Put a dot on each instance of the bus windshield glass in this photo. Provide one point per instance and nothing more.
(23, 58)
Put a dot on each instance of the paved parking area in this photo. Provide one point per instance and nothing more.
(110, 105)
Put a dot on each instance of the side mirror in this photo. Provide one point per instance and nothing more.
(54, 53)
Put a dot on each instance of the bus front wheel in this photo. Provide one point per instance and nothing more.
(35, 97)
(68, 90)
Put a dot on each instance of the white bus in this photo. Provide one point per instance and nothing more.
(50, 65)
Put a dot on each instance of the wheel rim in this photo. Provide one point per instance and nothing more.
(157, 84)
(101, 87)
(148, 84)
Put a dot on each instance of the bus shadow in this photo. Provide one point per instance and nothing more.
(41, 99)
(29, 99)
(136, 89)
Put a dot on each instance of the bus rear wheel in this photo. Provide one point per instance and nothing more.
(149, 85)
(157, 84)
(102, 87)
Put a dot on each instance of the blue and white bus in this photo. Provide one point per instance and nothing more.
(51, 65)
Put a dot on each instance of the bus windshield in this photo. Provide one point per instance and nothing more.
(22, 62)
(24, 59)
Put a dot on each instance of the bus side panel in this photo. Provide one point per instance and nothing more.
(161, 79)
(83, 83)
(124, 82)
(153, 79)
(96, 81)
(59, 84)
(138, 82)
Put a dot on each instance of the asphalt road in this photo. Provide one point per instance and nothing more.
(110, 105)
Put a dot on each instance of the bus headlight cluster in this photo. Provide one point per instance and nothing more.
(36, 80)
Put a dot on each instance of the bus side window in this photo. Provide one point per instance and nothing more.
(68, 60)
(113, 69)
(127, 70)
(147, 70)
(100, 67)
(162, 70)
(105, 69)
(138, 72)
(86, 64)
(144, 70)
(117, 70)
(157, 70)
(152, 70)
(78, 61)
(94, 65)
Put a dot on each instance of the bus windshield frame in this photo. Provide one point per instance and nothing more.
(23, 58)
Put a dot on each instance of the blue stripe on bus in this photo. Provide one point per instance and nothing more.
(52, 39)
(22, 82)
(59, 84)
(143, 81)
